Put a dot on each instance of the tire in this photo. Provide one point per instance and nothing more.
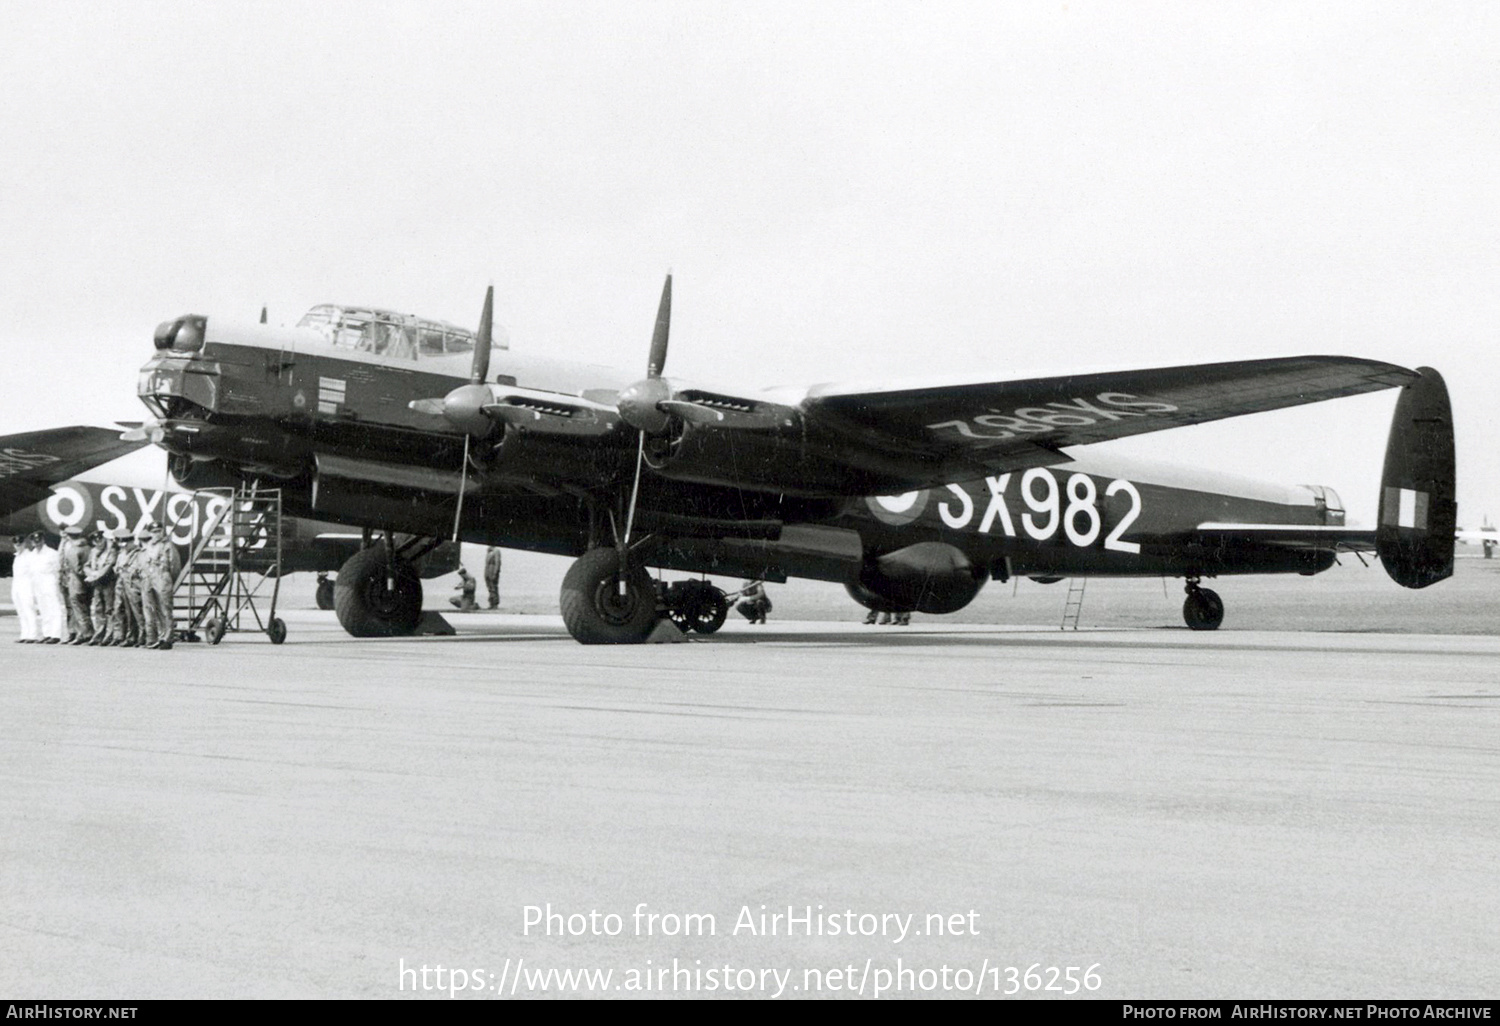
(1203, 610)
(324, 596)
(696, 606)
(366, 608)
(712, 608)
(594, 610)
(276, 630)
(213, 631)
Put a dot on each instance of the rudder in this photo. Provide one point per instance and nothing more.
(1418, 511)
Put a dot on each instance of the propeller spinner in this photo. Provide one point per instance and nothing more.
(464, 406)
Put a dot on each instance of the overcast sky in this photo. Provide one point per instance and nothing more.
(874, 190)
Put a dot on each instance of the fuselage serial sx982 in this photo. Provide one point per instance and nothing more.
(911, 497)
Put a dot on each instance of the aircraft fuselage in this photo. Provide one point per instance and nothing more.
(334, 429)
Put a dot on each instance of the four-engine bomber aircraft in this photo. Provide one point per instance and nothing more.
(910, 497)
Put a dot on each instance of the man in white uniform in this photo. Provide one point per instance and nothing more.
(23, 592)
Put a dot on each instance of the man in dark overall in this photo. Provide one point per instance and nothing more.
(492, 575)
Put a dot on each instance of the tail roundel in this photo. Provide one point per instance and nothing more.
(1418, 512)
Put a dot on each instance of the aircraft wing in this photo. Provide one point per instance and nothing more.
(1078, 409)
(31, 462)
(904, 438)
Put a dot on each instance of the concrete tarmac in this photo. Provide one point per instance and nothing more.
(1240, 814)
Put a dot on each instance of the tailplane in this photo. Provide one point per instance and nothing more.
(1418, 511)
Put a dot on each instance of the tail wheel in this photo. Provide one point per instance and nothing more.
(372, 603)
(603, 606)
(1203, 610)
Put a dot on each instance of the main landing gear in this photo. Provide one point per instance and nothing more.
(1203, 610)
(607, 603)
(603, 605)
(378, 593)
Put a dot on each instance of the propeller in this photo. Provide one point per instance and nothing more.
(464, 406)
(649, 405)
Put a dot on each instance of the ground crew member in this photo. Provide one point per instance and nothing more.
(754, 605)
(159, 566)
(492, 574)
(73, 555)
(466, 584)
(128, 592)
(23, 591)
(99, 573)
(49, 598)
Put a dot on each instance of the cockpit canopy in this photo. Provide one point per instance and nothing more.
(389, 334)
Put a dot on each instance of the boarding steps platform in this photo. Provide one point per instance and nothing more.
(229, 565)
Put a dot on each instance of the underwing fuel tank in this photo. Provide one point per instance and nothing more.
(1418, 512)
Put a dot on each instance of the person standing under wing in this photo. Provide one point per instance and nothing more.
(23, 592)
(492, 575)
(99, 574)
(49, 597)
(128, 593)
(159, 566)
(74, 555)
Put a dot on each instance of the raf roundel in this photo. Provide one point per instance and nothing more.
(897, 510)
(67, 506)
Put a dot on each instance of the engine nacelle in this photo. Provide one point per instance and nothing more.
(195, 474)
(928, 577)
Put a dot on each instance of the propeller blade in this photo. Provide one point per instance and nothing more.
(658, 358)
(431, 407)
(693, 413)
(481, 368)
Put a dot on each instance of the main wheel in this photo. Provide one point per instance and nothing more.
(1203, 610)
(325, 594)
(601, 606)
(372, 604)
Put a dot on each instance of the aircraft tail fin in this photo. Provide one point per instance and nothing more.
(1418, 512)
